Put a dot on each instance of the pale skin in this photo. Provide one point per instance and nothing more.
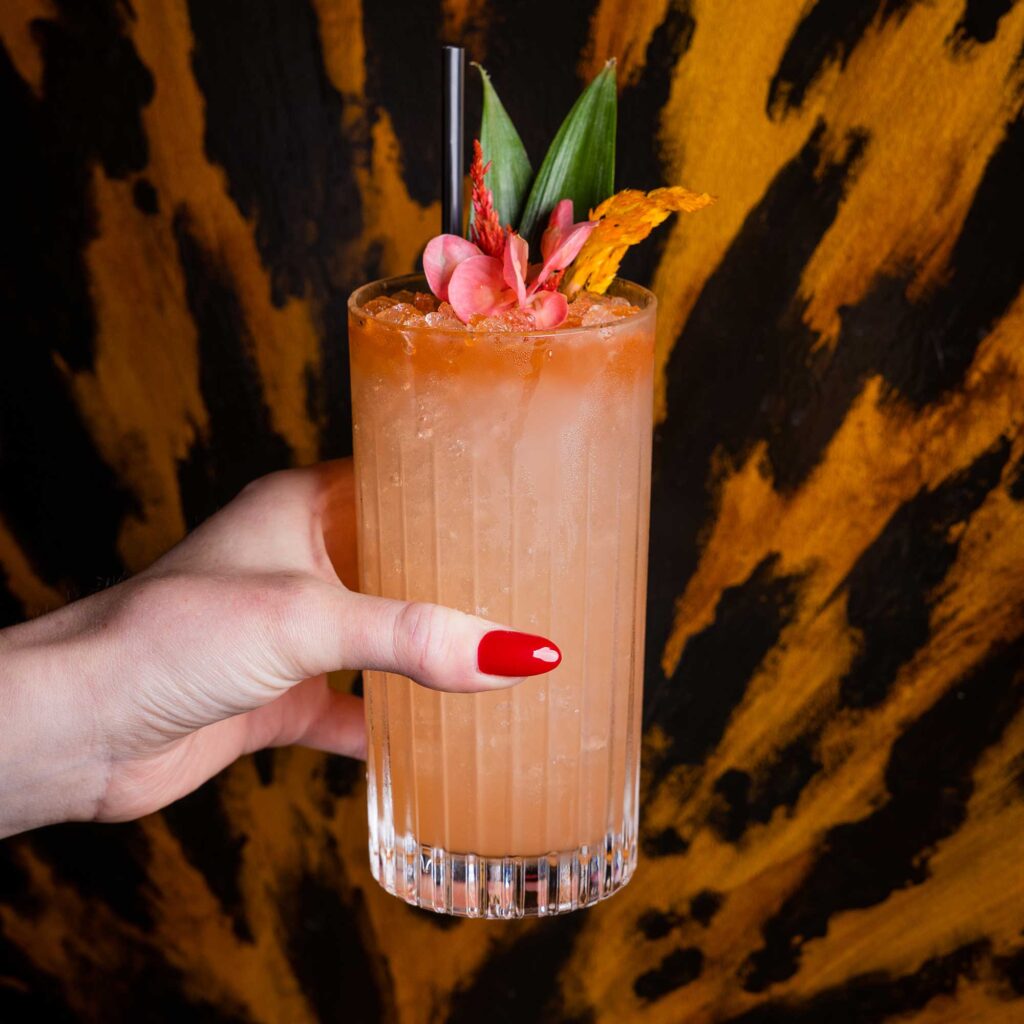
(118, 704)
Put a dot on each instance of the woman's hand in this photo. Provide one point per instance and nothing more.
(118, 704)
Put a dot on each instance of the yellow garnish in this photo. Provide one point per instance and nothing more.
(624, 219)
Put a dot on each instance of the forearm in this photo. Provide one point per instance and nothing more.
(52, 760)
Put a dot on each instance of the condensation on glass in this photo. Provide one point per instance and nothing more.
(507, 475)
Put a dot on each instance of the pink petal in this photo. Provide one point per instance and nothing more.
(477, 286)
(560, 247)
(440, 258)
(568, 246)
(517, 253)
(549, 309)
(558, 223)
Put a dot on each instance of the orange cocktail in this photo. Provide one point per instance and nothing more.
(508, 475)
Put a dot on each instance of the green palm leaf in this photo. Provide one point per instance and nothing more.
(580, 164)
(510, 173)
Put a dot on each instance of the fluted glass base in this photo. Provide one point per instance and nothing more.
(473, 885)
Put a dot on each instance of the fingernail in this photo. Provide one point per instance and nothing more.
(503, 652)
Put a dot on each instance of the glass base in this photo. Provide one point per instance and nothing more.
(474, 885)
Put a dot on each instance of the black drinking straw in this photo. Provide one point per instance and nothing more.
(451, 140)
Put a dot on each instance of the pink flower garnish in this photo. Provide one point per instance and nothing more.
(549, 309)
(562, 240)
(440, 258)
(478, 286)
(516, 265)
(485, 282)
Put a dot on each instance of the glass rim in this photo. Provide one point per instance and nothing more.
(385, 283)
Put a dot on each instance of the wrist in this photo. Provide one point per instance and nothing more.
(53, 765)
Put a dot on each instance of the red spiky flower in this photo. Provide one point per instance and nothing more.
(486, 230)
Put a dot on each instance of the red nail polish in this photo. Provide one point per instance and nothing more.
(506, 653)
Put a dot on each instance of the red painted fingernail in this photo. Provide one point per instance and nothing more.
(503, 652)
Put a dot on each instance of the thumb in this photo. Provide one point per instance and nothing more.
(444, 649)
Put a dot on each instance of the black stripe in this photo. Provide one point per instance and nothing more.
(656, 924)
(142, 986)
(666, 843)
(1011, 967)
(106, 863)
(273, 121)
(15, 886)
(757, 356)
(929, 781)
(29, 995)
(240, 444)
(738, 372)
(329, 948)
(827, 33)
(1016, 481)
(342, 776)
(638, 161)
(677, 969)
(403, 77)
(1017, 776)
(891, 588)
(264, 762)
(923, 348)
(11, 609)
(718, 663)
(145, 197)
(980, 21)
(213, 846)
(93, 90)
(743, 798)
(705, 905)
(876, 996)
(519, 981)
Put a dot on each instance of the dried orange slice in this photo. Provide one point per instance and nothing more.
(624, 219)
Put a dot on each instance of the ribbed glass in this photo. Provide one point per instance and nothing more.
(507, 475)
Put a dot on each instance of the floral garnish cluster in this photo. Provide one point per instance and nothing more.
(493, 273)
(490, 273)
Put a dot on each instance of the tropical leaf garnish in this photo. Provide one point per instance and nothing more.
(623, 220)
(510, 170)
(580, 163)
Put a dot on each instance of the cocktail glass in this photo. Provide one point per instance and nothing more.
(507, 475)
